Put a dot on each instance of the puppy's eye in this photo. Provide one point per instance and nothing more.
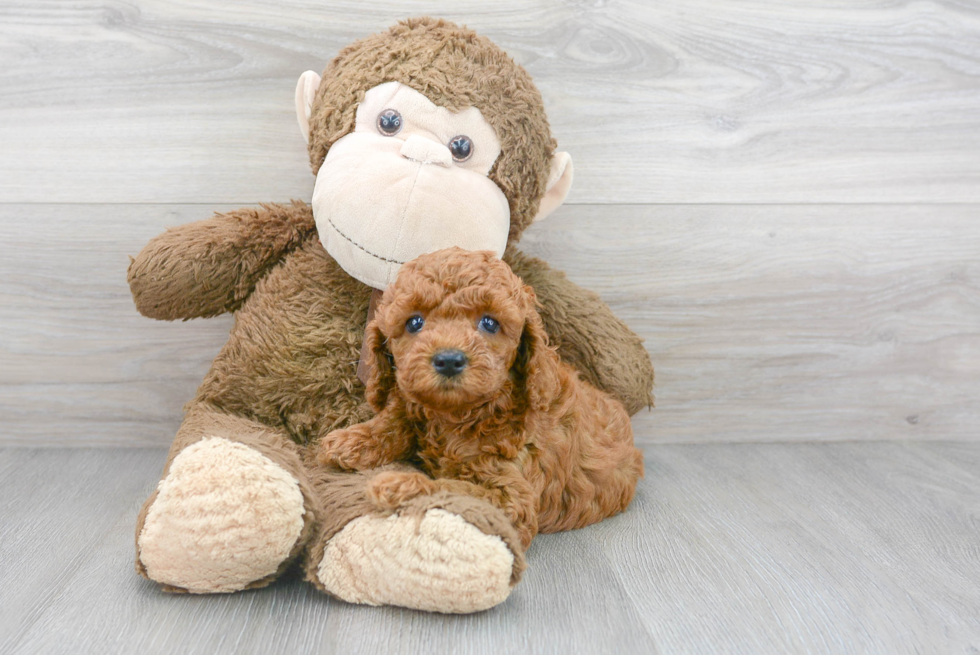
(414, 324)
(389, 122)
(490, 325)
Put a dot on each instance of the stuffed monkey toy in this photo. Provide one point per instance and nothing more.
(423, 137)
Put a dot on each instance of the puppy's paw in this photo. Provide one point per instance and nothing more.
(349, 448)
(392, 489)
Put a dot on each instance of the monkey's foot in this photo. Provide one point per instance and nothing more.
(440, 553)
(226, 517)
(439, 563)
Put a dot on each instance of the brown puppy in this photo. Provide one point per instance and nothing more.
(466, 385)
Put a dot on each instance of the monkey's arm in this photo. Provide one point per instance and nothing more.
(209, 267)
(588, 335)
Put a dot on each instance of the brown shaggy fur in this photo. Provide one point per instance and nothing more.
(290, 361)
(516, 426)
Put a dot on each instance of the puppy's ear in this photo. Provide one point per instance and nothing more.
(536, 367)
(381, 371)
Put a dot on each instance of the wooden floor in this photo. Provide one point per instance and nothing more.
(741, 548)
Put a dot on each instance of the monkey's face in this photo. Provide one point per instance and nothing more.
(410, 179)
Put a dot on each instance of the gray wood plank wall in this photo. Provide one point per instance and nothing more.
(780, 197)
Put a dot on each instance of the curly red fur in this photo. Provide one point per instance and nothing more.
(517, 426)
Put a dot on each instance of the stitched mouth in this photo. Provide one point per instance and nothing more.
(360, 247)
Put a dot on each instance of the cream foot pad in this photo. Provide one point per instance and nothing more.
(224, 516)
(441, 564)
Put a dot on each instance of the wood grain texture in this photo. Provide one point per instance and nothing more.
(672, 102)
(844, 548)
(764, 323)
(748, 548)
(776, 323)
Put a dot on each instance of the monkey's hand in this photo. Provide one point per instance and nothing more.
(588, 335)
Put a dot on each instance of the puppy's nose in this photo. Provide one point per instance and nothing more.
(449, 363)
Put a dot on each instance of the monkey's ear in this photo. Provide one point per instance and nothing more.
(306, 88)
(559, 183)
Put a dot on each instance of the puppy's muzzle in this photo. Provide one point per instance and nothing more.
(449, 363)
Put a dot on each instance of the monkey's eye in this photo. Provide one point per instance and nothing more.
(490, 325)
(461, 147)
(389, 122)
(414, 324)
